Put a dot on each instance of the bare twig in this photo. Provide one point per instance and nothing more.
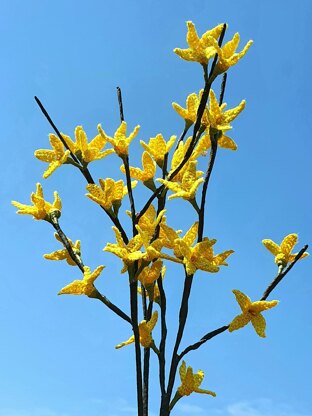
(122, 118)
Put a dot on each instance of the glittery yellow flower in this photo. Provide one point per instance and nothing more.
(189, 114)
(87, 152)
(227, 55)
(56, 157)
(191, 382)
(147, 174)
(84, 286)
(189, 184)
(41, 210)
(109, 193)
(158, 147)
(283, 252)
(199, 50)
(145, 331)
(120, 141)
(63, 254)
(251, 312)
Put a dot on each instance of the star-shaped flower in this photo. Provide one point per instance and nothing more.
(149, 221)
(251, 312)
(145, 331)
(199, 50)
(191, 382)
(283, 252)
(120, 141)
(63, 254)
(189, 114)
(87, 152)
(56, 157)
(41, 210)
(84, 286)
(148, 277)
(227, 55)
(158, 147)
(147, 174)
(189, 184)
(109, 193)
(204, 144)
(178, 157)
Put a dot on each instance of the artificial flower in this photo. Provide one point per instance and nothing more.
(251, 312)
(147, 174)
(145, 333)
(120, 141)
(84, 286)
(189, 114)
(41, 210)
(56, 157)
(63, 254)
(190, 382)
(158, 147)
(283, 252)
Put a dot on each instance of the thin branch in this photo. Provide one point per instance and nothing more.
(130, 193)
(113, 307)
(121, 113)
(223, 85)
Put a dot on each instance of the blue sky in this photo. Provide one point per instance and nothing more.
(57, 353)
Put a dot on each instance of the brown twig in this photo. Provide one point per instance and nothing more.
(121, 113)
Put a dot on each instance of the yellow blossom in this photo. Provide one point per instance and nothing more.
(158, 147)
(145, 332)
(251, 312)
(147, 174)
(55, 157)
(201, 256)
(204, 144)
(191, 382)
(189, 114)
(189, 184)
(109, 193)
(199, 50)
(120, 141)
(149, 221)
(227, 55)
(149, 279)
(41, 210)
(63, 254)
(177, 158)
(87, 152)
(283, 252)
(84, 286)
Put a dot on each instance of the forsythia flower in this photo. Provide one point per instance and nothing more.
(120, 141)
(63, 254)
(87, 152)
(189, 114)
(147, 174)
(204, 144)
(189, 184)
(251, 313)
(149, 221)
(55, 157)
(109, 193)
(41, 210)
(158, 147)
(191, 381)
(201, 256)
(199, 49)
(84, 286)
(148, 277)
(283, 252)
(177, 158)
(227, 55)
(145, 331)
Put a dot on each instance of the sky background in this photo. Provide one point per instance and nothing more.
(57, 355)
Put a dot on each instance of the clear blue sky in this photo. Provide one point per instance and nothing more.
(57, 355)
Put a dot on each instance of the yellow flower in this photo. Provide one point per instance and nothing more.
(148, 277)
(251, 313)
(227, 55)
(84, 286)
(109, 193)
(145, 331)
(191, 381)
(120, 141)
(201, 256)
(283, 252)
(177, 158)
(55, 157)
(158, 147)
(87, 152)
(189, 114)
(63, 254)
(189, 184)
(199, 50)
(147, 174)
(204, 144)
(41, 210)
(149, 221)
